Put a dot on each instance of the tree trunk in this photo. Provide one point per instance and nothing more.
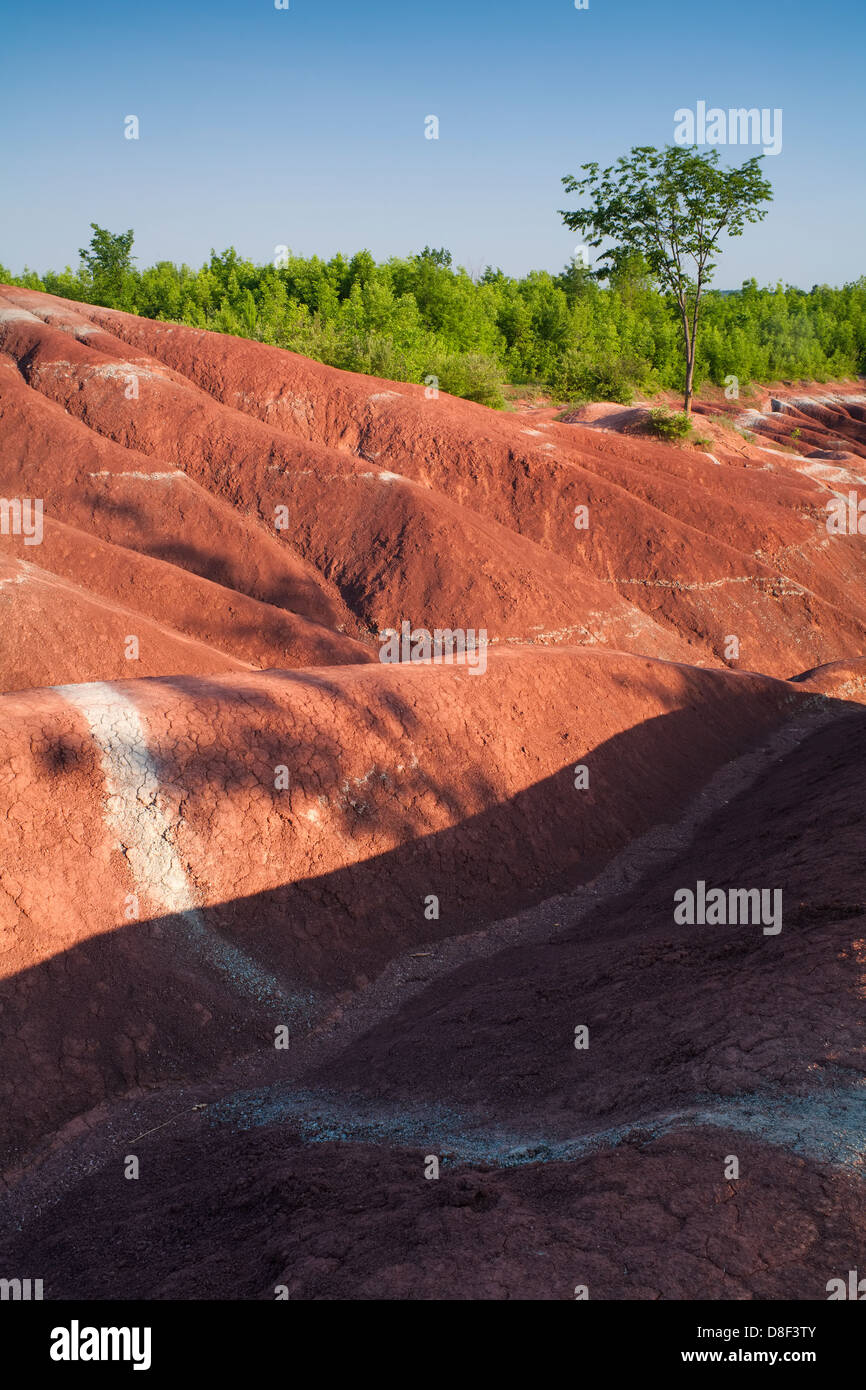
(690, 376)
(689, 355)
(692, 354)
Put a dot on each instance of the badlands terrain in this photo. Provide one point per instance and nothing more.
(285, 928)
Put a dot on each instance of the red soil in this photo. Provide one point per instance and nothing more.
(229, 631)
(696, 548)
(324, 881)
(195, 851)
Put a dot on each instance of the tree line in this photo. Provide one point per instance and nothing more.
(418, 317)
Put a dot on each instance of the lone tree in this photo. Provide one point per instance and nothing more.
(669, 207)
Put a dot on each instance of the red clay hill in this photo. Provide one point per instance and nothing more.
(280, 917)
(355, 503)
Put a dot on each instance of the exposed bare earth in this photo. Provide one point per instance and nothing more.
(235, 835)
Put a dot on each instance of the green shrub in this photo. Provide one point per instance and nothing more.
(669, 426)
(472, 376)
(602, 378)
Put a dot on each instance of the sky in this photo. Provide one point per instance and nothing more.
(305, 127)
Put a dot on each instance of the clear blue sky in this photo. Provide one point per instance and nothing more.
(305, 127)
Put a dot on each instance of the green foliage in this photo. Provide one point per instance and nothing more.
(416, 317)
(665, 211)
(669, 426)
(595, 376)
(107, 266)
(473, 376)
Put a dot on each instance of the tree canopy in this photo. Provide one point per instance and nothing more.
(669, 208)
(108, 263)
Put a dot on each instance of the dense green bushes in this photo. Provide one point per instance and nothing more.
(417, 318)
